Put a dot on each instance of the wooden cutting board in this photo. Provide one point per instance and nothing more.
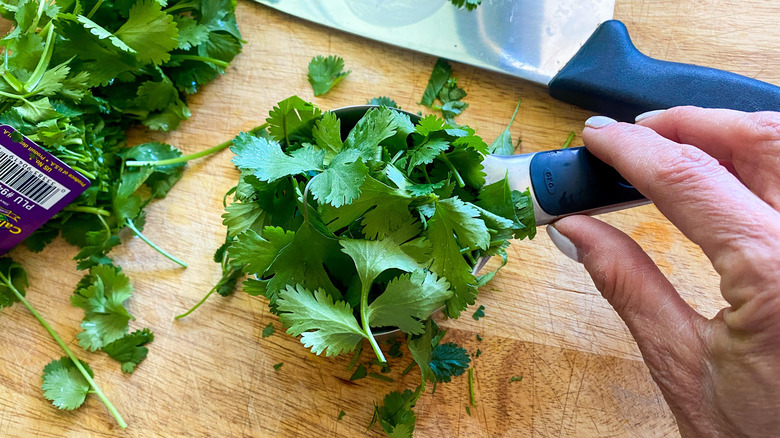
(212, 374)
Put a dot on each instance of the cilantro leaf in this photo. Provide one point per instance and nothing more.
(503, 144)
(441, 72)
(190, 32)
(326, 72)
(292, 120)
(372, 257)
(395, 415)
(301, 261)
(426, 152)
(449, 360)
(479, 313)
(13, 275)
(376, 125)
(103, 34)
(382, 101)
(257, 252)
(129, 350)
(242, 216)
(327, 135)
(102, 294)
(407, 300)
(324, 325)
(382, 208)
(64, 385)
(340, 183)
(421, 348)
(268, 330)
(267, 160)
(455, 217)
(150, 32)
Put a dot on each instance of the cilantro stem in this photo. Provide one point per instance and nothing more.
(381, 377)
(95, 8)
(84, 172)
(92, 210)
(366, 326)
(472, 397)
(185, 158)
(67, 350)
(459, 179)
(12, 81)
(12, 96)
(184, 5)
(569, 139)
(409, 368)
(155, 247)
(43, 63)
(195, 307)
(214, 61)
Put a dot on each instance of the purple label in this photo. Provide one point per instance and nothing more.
(34, 186)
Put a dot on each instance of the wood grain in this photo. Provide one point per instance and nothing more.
(211, 375)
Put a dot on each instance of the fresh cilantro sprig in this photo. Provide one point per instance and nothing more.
(96, 69)
(67, 381)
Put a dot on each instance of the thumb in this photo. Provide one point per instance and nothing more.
(626, 276)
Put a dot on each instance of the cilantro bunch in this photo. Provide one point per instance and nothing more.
(76, 74)
(369, 221)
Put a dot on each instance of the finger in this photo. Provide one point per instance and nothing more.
(666, 329)
(626, 276)
(750, 141)
(706, 202)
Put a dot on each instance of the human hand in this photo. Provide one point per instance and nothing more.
(715, 174)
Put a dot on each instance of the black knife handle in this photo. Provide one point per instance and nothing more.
(569, 181)
(610, 76)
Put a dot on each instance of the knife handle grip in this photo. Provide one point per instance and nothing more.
(610, 76)
(574, 181)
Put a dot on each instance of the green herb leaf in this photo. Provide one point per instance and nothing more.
(325, 325)
(449, 360)
(325, 72)
(64, 385)
(14, 275)
(130, 349)
(407, 300)
(479, 313)
(102, 294)
(439, 76)
(268, 330)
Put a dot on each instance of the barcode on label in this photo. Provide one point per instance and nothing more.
(28, 181)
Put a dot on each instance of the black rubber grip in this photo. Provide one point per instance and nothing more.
(569, 181)
(610, 76)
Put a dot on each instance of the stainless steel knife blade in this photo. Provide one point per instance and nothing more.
(530, 39)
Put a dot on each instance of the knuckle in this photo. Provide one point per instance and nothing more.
(762, 127)
(690, 167)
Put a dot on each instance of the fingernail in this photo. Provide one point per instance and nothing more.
(647, 115)
(564, 244)
(597, 122)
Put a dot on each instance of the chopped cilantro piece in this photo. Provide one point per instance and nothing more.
(479, 313)
(268, 330)
(277, 366)
(515, 379)
(359, 373)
